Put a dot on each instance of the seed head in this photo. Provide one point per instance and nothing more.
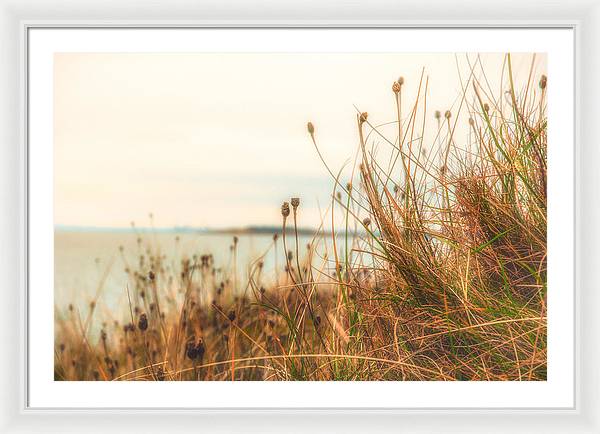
(311, 128)
(447, 114)
(231, 315)
(471, 121)
(349, 187)
(396, 87)
(295, 202)
(190, 351)
(285, 209)
(543, 82)
(438, 114)
(143, 322)
(486, 107)
(195, 350)
(363, 117)
(400, 81)
(367, 222)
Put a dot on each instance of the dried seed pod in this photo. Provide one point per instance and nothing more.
(190, 351)
(143, 322)
(311, 128)
(285, 209)
(231, 315)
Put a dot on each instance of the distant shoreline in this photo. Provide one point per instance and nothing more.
(249, 230)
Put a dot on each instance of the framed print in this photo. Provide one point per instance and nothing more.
(415, 247)
(371, 223)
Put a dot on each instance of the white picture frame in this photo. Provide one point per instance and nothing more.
(18, 416)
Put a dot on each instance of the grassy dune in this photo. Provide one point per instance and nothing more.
(438, 271)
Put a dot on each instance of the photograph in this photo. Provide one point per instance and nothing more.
(300, 216)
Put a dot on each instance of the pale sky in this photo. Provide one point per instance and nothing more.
(220, 140)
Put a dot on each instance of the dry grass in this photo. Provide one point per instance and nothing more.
(438, 273)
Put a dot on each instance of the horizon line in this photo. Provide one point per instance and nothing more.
(182, 228)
